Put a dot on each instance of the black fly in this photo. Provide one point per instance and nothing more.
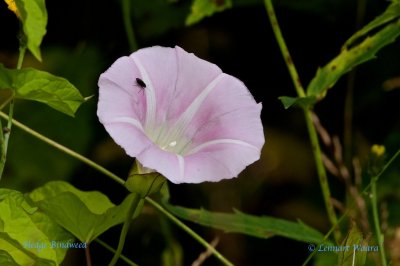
(141, 84)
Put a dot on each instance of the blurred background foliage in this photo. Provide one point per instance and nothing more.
(84, 38)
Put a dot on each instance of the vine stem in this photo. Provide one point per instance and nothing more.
(323, 179)
(65, 150)
(5, 137)
(374, 205)
(375, 215)
(125, 228)
(106, 246)
(121, 182)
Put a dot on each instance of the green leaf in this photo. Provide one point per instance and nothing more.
(304, 102)
(205, 8)
(6, 259)
(391, 13)
(85, 214)
(36, 85)
(238, 222)
(33, 15)
(26, 234)
(354, 255)
(350, 57)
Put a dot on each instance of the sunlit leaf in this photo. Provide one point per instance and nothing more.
(359, 53)
(27, 234)
(85, 214)
(33, 15)
(81, 67)
(205, 8)
(36, 85)
(257, 226)
(6, 259)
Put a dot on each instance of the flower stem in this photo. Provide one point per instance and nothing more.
(125, 228)
(323, 180)
(189, 231)
(119, 181)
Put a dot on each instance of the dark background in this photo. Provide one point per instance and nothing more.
(85, 37)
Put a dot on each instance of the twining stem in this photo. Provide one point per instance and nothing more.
(119, 181)
(130, 33)
(374, 205)
(125, 228)
(106, 246)
(285, 51)
(323, 179)
(375, 215)
(66, 150)
(5, 137)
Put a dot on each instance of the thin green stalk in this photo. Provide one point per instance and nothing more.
(189, 231)
(283, 48)
(130, 33)
(9, 125)
(378, 233)
(323, 180)
(325, 238)
(66, 150)
(6, 102)
(106, 246)
(119, 181)
(5, 137)
(125, 228)
(322, 176)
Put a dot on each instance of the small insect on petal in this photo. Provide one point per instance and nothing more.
(141, 84)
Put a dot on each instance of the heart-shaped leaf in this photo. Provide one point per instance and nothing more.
(36, 85)
(27, 234)
(85, 214)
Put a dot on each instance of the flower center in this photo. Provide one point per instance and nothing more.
(168, 139)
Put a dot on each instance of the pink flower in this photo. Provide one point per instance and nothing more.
(180, 115)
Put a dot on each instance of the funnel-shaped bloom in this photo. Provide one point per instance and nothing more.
(180, 115)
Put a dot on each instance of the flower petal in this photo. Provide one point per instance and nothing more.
(192, 123)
